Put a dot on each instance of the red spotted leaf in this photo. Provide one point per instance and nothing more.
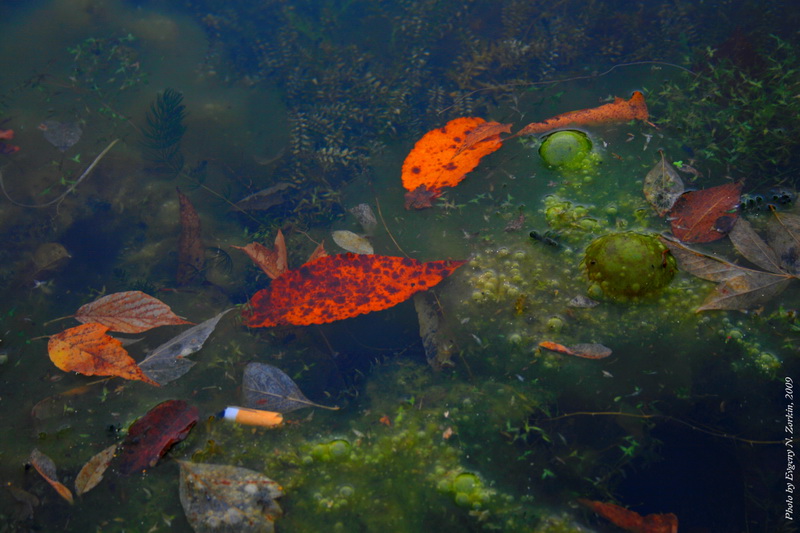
(706, 215)
(335, 287)
(129, 312)
(152, 435)
(633, 521)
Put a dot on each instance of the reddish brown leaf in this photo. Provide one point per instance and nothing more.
(92, 472)
(439, 159)
(87, 349)
(619, 110)
(706, 215)
(128, 312)
(335, 287)
(633, 521)
(151, 436)
(272, 262)
(191, 252)
(585, 350)
(47, 469)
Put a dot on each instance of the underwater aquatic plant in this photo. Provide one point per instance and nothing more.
(164, 131)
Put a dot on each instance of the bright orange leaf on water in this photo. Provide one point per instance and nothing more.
(87, 349)
(128, 312)
(444, 156)
(706, 215)
(335, 287)
(620, 110)
(633, 521)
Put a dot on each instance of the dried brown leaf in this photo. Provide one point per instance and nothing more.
(748, 243)
(128, 312)
(47, 469)
(92, 472)
(746, 291)
(663, 186)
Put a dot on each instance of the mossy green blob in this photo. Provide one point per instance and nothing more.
(628, 265)
(566, 149)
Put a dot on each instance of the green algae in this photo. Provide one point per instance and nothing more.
(567, 150)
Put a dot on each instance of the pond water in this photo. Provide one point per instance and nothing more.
(466, 422)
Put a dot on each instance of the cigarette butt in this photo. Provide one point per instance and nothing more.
(253, 417)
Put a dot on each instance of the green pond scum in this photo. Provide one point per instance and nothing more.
(286, 115)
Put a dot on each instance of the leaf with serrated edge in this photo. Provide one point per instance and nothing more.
(92, 472)
(168, 362)
(753, 248)
(129, 312)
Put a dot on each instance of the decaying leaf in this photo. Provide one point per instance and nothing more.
(47, 469)
(268, 388)
(633, 521)
(585, 350)
(739, 287)
(87, 349)
(150, 437)
(351, 242)
(24, 504)
(336, 287)
(191, 252)
(168, 362)
(783, 235)
(224, 498)
(438, 160)
(129, 312)
(619, 110)
(482, 132)
(92, 472)
(272, 262)
(663, 186)
(62, 135)
(365, 217)
(706, 215)
(265, 198)
(438, 349)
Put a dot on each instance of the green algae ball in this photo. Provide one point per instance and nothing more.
(629, 265)
(566, 149)
(339, 448)
(465, 482)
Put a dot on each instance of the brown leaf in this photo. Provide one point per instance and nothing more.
(47, 469)
(87, 349)
(783, 235)
(92, 472)
(128, 312)
(438, 347)
(747, 291)
(585, 350)
(663, 186)
(704, 266)
(191, 252)
(633, 521)
(272, 262)
(706, 215)
(748, 243)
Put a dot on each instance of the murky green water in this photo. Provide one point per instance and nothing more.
(329, 98)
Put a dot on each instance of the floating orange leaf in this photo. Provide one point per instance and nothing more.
(129, 312)
(47, 469)
(87, 349)
(620, 110)
(335, 287)
(585, 350)
(706, 215)
(633, 521)
(272, 262)
(442, 157)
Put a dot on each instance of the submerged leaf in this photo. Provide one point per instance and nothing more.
(168, 362)
(268, 388)
(92, 472)
(62, 135)
(706, 215)
(351, 242)
(585, 350)
(272, 262)
(783, 235)
(150, 437)
(224, 498)
(265, 198)
(632, 521)
(336, 287)
(87, 349)
(47, 469)
(129, 312)
(438, 350)
(748, 243)
(191, 252)
(663, 186)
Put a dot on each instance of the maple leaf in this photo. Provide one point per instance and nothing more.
(620, 110)
(335, 287)
(739, 287)
(87, 349)
(706, 215)
(444, 156)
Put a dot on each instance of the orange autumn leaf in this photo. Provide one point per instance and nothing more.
(272, 262)
(336, 287)
(633, 521)
(47, 469)
(620, 110)
(87, 349)
(128, 312)
(444, 156)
